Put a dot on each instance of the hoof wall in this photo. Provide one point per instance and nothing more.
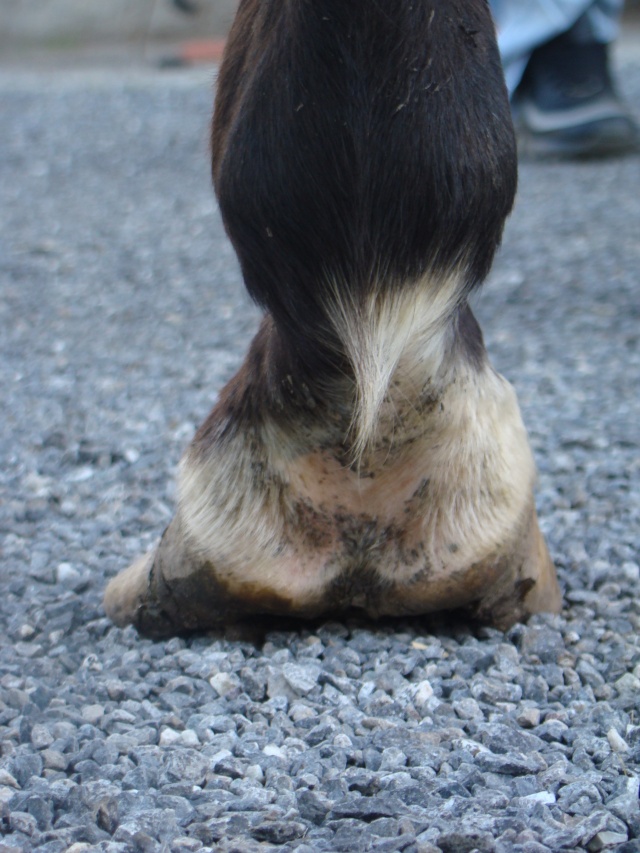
(127, 593)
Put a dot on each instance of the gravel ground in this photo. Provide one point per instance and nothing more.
(122, 313)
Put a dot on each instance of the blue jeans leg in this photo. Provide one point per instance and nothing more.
(524, 24)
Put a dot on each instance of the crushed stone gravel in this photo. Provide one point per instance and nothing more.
(122, 313)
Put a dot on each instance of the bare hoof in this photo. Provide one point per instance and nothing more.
(127, 595)
(435, 521)
(167, 592)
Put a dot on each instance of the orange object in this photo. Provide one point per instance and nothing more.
(196, 51)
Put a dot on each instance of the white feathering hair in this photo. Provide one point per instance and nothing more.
(392, 332)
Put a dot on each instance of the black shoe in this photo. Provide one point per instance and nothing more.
(566, 105)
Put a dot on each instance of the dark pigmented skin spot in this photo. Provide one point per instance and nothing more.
(313, 526)
(421, 492)
(363, 548)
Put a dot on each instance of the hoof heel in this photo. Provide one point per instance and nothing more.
(128, 592)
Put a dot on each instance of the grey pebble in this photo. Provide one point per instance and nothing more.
(301, 679)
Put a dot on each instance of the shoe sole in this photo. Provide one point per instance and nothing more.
(598, 141)
(598, 131)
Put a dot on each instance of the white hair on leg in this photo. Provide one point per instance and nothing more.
(392, 332)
